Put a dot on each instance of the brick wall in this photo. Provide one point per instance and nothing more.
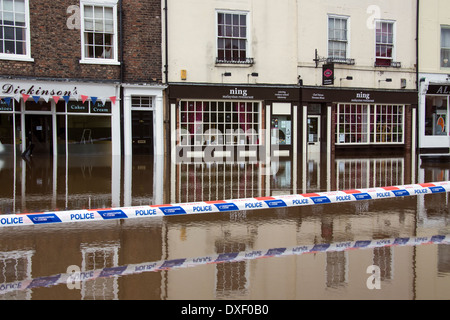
(56, 49)
(142, 33)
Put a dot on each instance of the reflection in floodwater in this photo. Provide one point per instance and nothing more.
(33, 255)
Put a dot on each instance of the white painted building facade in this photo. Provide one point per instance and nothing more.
(434, 76)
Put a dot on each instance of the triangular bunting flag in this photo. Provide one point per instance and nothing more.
(66, 98)
(46, 98)
(94, 100)
(56, 99)
(17, 97)
(113, 99)
(84, 98)
(25, 96)
(103, 100)
(7, 100)
(36, 98)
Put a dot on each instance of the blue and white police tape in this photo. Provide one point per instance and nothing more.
(71, 278)
(295, 200)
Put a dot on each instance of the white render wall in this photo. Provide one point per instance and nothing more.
(313, 34)
(283, 35)
(433, 14)
(193, 41)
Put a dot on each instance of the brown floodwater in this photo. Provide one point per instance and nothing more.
(146, 258)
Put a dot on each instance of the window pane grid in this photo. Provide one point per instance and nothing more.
(364, 124)
(384, 47)
(141, 102)
(445, 47)
(12, 27)
(232, 37)
(218, 123)
(98, 32)
(337, 37)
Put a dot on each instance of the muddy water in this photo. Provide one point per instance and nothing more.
(117, 259)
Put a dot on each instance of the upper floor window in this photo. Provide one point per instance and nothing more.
(14, 30)
(99, 32)
(232, 38)
(445, 47)
(384, 47)
(337, 38)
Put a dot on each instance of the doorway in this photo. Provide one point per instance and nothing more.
(38, 134)
(314, 134)
(142, 132)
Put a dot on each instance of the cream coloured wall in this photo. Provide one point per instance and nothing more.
(433, 14)
(313, 34)
(193, 41)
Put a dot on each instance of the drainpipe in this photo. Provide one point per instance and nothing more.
(166, 81)
(166, 34)
(417, 77)
(417, 44)
(122, 70)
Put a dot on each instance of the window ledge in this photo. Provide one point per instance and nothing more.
(247, 63)
(347, 61)
(100, 61)
(393, 64)
(16, 58)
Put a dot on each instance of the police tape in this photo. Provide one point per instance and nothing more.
(294, 200)
(74, 276)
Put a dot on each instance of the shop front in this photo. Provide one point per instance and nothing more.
(232, 122)
(434, 110)
(335, 120)
(58, 118)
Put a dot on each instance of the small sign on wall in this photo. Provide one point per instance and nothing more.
(328, 74)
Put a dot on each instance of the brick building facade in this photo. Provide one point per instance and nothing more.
(72, 72)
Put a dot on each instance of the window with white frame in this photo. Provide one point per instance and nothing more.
(232, 38)
(141, 102)
(384, 47)
(337, 38)
(369, 124)
(99, 32)
(445, 47)
(14, 30)
(219, 123)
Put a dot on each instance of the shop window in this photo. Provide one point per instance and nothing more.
(352, 123)
(6, 133)
(41, 105)
(364, 124)
(218, 123)
(89, 134)
(281, 130)
(436, 110)
(388, 124)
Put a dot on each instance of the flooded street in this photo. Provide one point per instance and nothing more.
(217, 256)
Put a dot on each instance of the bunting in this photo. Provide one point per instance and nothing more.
(82, 98)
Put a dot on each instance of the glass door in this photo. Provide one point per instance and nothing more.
(313, 134)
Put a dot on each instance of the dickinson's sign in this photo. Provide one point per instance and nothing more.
(13, 88)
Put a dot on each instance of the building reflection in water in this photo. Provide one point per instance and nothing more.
(97, 182)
